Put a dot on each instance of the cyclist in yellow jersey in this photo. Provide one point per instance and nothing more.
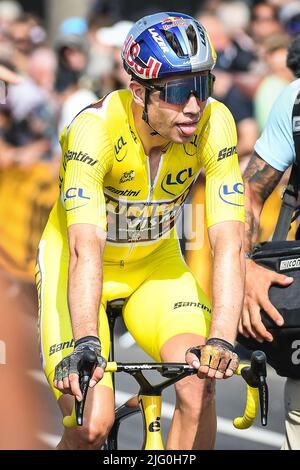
(128, 163)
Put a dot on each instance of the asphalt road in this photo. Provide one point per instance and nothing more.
(230, 403)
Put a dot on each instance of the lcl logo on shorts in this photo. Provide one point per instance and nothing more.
(289, 264)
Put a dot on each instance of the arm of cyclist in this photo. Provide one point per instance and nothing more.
(84, 202)
(86, 245)
(225, 216)
(260, 180)
(217, 357)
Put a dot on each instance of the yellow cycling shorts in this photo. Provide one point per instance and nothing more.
(163, 300)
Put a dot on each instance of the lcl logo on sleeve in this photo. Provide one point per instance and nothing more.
(228, 193)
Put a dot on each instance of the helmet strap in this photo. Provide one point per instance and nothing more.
(145, 111)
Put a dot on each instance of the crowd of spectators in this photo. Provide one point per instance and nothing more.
(56, 79)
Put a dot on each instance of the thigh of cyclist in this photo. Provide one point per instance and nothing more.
(168, 303)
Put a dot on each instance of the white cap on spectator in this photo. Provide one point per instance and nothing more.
(10, 10)
(234, 15)
(289, 15)
(289, 10)
(114, 35)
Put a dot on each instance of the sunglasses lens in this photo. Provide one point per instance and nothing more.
(178, 91)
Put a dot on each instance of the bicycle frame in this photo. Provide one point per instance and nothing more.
(148, 401)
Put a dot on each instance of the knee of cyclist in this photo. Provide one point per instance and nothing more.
(94, 433)
(196, 395)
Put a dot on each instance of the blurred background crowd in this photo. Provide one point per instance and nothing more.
(65, 56)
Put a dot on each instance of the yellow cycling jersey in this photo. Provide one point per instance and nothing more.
(105, 177)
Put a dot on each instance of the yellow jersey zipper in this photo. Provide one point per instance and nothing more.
(149, 199)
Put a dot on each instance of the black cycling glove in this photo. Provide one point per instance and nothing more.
(69, 364)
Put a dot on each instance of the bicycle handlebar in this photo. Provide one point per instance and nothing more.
(257, 390)
(253, 374)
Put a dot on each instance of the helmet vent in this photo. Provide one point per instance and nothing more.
(174, 43)
(192, 37)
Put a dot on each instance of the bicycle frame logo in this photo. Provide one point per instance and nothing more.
(154, 426)
(129, 367)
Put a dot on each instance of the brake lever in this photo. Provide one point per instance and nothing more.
(86, 367)
(255, 376)
(263, 400)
